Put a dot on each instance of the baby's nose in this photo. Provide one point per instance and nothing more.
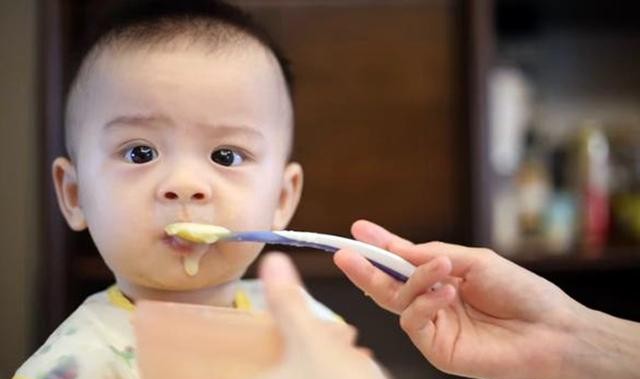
(184, 195)
(184, 189)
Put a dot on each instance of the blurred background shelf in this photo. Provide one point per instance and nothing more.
(610, 259)
(560, 164)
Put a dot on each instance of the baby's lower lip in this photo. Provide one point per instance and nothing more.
(181, 245)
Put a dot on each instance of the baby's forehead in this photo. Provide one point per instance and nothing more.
(233, 74)
(116, 56)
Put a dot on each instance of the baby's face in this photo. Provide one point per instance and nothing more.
(182, 134)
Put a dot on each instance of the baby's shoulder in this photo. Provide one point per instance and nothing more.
(83, 346)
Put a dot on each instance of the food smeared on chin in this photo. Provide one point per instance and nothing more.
(191, 263)
(195, 233)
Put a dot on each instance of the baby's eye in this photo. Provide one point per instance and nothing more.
(226, 157)
(140, 154)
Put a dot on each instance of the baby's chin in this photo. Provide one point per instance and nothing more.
(215, 268)
(179, 280)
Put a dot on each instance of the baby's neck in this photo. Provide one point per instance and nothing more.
(219, 296)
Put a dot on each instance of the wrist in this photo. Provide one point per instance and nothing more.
(602, 346)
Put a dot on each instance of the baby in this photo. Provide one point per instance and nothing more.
(180, 112)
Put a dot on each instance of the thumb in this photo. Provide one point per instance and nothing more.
(286, 299)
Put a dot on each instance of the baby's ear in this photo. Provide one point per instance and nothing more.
(289, 195)
(65, 180)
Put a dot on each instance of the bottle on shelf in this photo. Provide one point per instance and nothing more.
(593, 185)
(533, 191)
(625, 187)
(560, 215)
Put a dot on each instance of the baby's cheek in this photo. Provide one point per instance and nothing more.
(245, 216)
(266, 202)
(244, 260)
(241, 254)
(118, 226)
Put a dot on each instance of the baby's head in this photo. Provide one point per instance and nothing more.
(182, 114)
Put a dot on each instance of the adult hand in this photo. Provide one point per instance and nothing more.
(489, 317)
(312, 348)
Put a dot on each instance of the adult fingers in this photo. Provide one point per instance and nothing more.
(423, 280)
(375, 283)
(286, 300)
(422, 311)
(385, 290)
(461, 257)
(374, 234)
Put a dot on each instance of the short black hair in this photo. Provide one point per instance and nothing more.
(145, 17)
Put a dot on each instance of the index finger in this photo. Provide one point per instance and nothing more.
(374, 282)
(374, 234)
(438, 260)
(462, 257)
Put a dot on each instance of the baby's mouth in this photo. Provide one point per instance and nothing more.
(191, 240)
(181, 244)
(190, 253)
(197, 232)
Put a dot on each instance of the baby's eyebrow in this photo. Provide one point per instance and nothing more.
(163, 121)
(142, 120)
(229, 130)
